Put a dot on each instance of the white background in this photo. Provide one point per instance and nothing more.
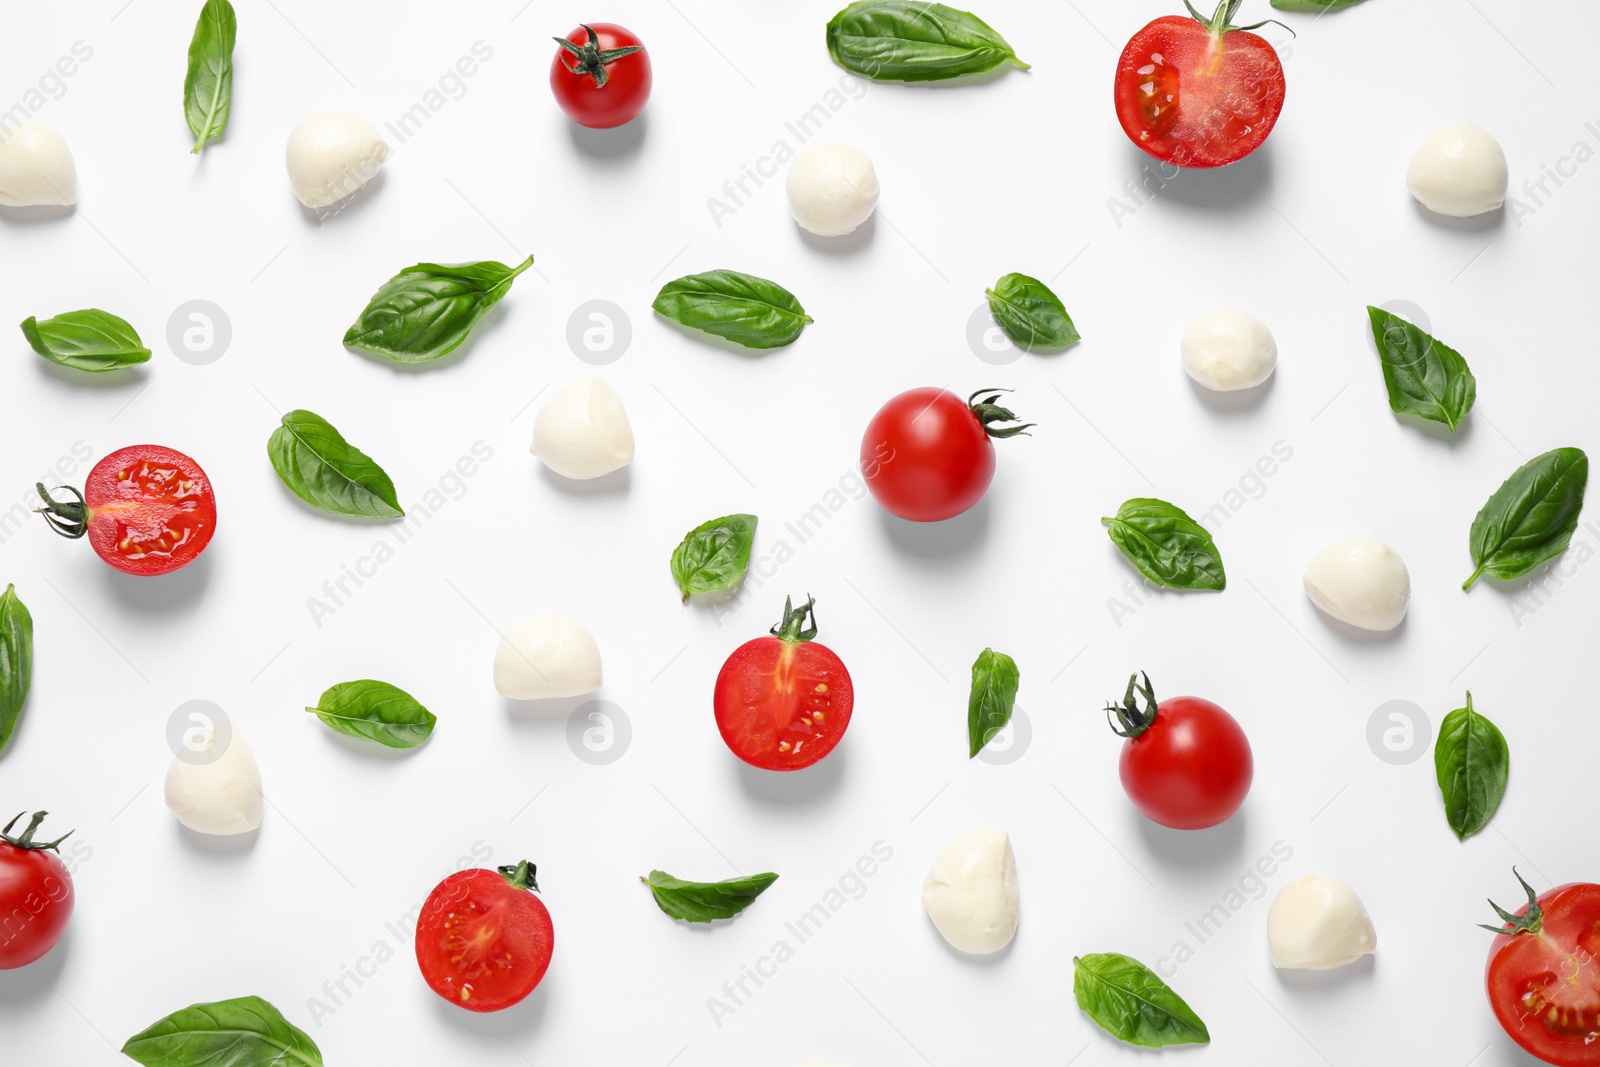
(978, 180)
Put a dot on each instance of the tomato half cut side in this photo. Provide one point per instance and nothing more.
(484, 940)
(1543, 974)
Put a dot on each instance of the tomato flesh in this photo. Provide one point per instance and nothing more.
(482, 943)
(151, 509)
(36, 899)
(926, 457)
(1191, 769)
(628, 80)
(1545, 987)
(783, 705)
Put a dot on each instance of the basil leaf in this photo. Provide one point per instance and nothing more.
(701, 902)
(915, 41)
(427, 310)
(375, 711)
(994, 692)
(1531, 517)
(1424, 377)
(1167, 546)
(89, 340)
(1312, 5)
(1030, 314)
(714, 555)
(16, 662)
(208, 87)
(1472, 762)
(746, 310)
(320, 467)
(1131, 1003)
(243, 1032)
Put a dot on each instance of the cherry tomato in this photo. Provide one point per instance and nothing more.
(483, 939)
(927, 454)
(147, 510)
(35, 894)
(601, 75)
(1199, 93)
(1543, 974)
(783, 702)
(1186, 763)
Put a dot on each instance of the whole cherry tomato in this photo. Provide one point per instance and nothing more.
(1186, 763)
(35, 894)
(927, 454)
(601, 75)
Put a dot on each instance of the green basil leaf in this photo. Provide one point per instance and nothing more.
(243, 1032)
(1531, 517)
(994, 693)
(1167, 546)
(915, 41)
(16, 662)
(90, 340)
(426, 311)
(714, 555)
(1131, 1003)
(1424, 377)
(375, 711)
(746, 310)
(208, 87)
(320, 467)
(1472, 762)
(701, 902)
(1312, 5)
(1030, 314)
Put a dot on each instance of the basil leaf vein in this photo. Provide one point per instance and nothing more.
(702, 902)
(208, 86)
(913, 40)
(427, 310)
(88, 340)
(16, 661)
(742, 308)
(1127, 1000)
(1531, 517)
(1424, 377)
(995, 679)
(320, 467)
(1472, 762)
(1030, 314)
(1166, 545)
(375, 711)
(242, 1032)
(714, 555)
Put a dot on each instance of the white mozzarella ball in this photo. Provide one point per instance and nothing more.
(332, 154)
(546, 656)
(971, 892)
(36, 168)
(1227, 349)
(220, 795)
(832, 188)
(1460, 171)
(1360, 581)
(583, 432)
(1317, 924)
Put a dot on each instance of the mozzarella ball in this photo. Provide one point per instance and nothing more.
(1227, 349)
(36, 168)
(546, 656)
(583, 432)
(832, 188)
(971, 892)
(221, 797)
(331, 155)
(1459, 171)
(1360, 581)
(1317, 924)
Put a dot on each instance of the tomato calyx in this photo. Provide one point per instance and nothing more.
(987, 412)
(592, 59)
(792, 627)
(1128, 719)
(522, 875)
(25, 839)
(69, 519)
(1531, 922)
(1222, 22)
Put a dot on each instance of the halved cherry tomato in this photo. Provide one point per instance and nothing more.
(1543, 974)
(35, 895)
(1186, 763)
(484, 940)
(927, 454)
(147, 510)
(1199, 93)
(783, 702)
(601, 75)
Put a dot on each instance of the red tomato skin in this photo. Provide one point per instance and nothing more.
(36, 898)
(1225, 98)
(1568, 947)
(1191, 769)
(628, 80)
(926, 457)
(143, 492)
(766, 695)
(521, 926)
